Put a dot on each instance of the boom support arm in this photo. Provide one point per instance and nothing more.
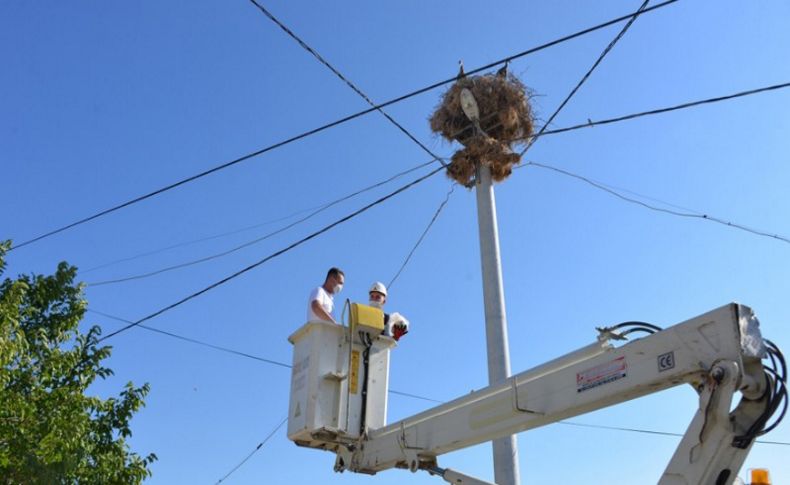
(718, 353)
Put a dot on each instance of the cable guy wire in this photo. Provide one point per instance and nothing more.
(262, 238)
(260, 445)
(275, 254)
(350, 84)
(422, 236)
(586, 75)
(696, 215)
(331, 125)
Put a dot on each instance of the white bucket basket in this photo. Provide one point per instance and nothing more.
(330, 390)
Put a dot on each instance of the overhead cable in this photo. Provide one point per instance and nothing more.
(257, 448)
(333, 124)
(194, 341)
(691, 104)
(647, 431)
(586, 76)
(344, 79)
(317, 210)
(275, 254)
(190, 242)
(588, 124)
(696, 215)
(391, 391)
(314, 213)
(422, 236)
(232, 351)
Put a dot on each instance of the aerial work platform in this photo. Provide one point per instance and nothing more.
(719, 353)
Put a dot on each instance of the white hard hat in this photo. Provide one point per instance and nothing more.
(378, 287)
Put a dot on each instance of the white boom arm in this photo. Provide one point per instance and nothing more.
(718, 353)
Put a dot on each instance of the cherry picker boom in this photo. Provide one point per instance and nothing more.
(340, 378)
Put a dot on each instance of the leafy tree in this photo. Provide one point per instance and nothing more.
(51, 432)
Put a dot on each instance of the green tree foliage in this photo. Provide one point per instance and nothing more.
(51, 432)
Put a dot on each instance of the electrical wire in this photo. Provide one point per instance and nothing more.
(677, 213)
(391, 391)
(275, 254)
(567, 423)
(195, 241)
(331, 125)
(194, 341)
(422, 236)
(350, 84)
(647, 431)
(232, 351)
(257, 448)
(415, 396)
(586, 76)
(318, 210)
(261, 238)
(691, 104)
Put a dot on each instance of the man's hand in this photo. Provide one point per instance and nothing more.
(399, 331)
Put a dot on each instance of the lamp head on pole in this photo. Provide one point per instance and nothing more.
(469, 105)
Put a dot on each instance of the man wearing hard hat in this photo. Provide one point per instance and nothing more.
(395, 325)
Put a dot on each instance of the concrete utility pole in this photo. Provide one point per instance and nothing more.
(505, 449)
(506, 470)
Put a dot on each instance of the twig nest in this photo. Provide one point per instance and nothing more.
(505, 116)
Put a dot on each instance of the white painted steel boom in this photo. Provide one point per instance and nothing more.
(718, 353)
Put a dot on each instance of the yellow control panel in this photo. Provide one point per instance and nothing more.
(367, 318)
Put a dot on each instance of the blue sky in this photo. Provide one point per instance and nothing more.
(104, 101)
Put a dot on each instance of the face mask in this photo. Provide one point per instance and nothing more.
(337, 289)
(376, 304)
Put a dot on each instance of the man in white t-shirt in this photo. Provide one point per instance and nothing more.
(321, 301)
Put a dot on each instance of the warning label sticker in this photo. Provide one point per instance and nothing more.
(601, 374)
(353, 385)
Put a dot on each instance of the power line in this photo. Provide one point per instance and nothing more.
(647, 431)
(350, 84)
(194, 341)
(691, 104)
(415, 396)
(195, 241)
(333, 124)
(318, 210)
(391, 391)
(586, 76)
(262, 238)
(275, 254)
(232, 351)
(257, 448)
(567, 423)
(696, 215)
(422, 236)
(590, 123)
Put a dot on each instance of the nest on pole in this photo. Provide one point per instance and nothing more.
(505, 120)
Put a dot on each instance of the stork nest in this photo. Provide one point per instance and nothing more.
(505, 116)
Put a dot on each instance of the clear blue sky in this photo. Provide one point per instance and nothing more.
(104, 101)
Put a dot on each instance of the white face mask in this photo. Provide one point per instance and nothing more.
(376, 304)
(337, 289)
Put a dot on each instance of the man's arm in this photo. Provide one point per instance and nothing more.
(319, 310)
